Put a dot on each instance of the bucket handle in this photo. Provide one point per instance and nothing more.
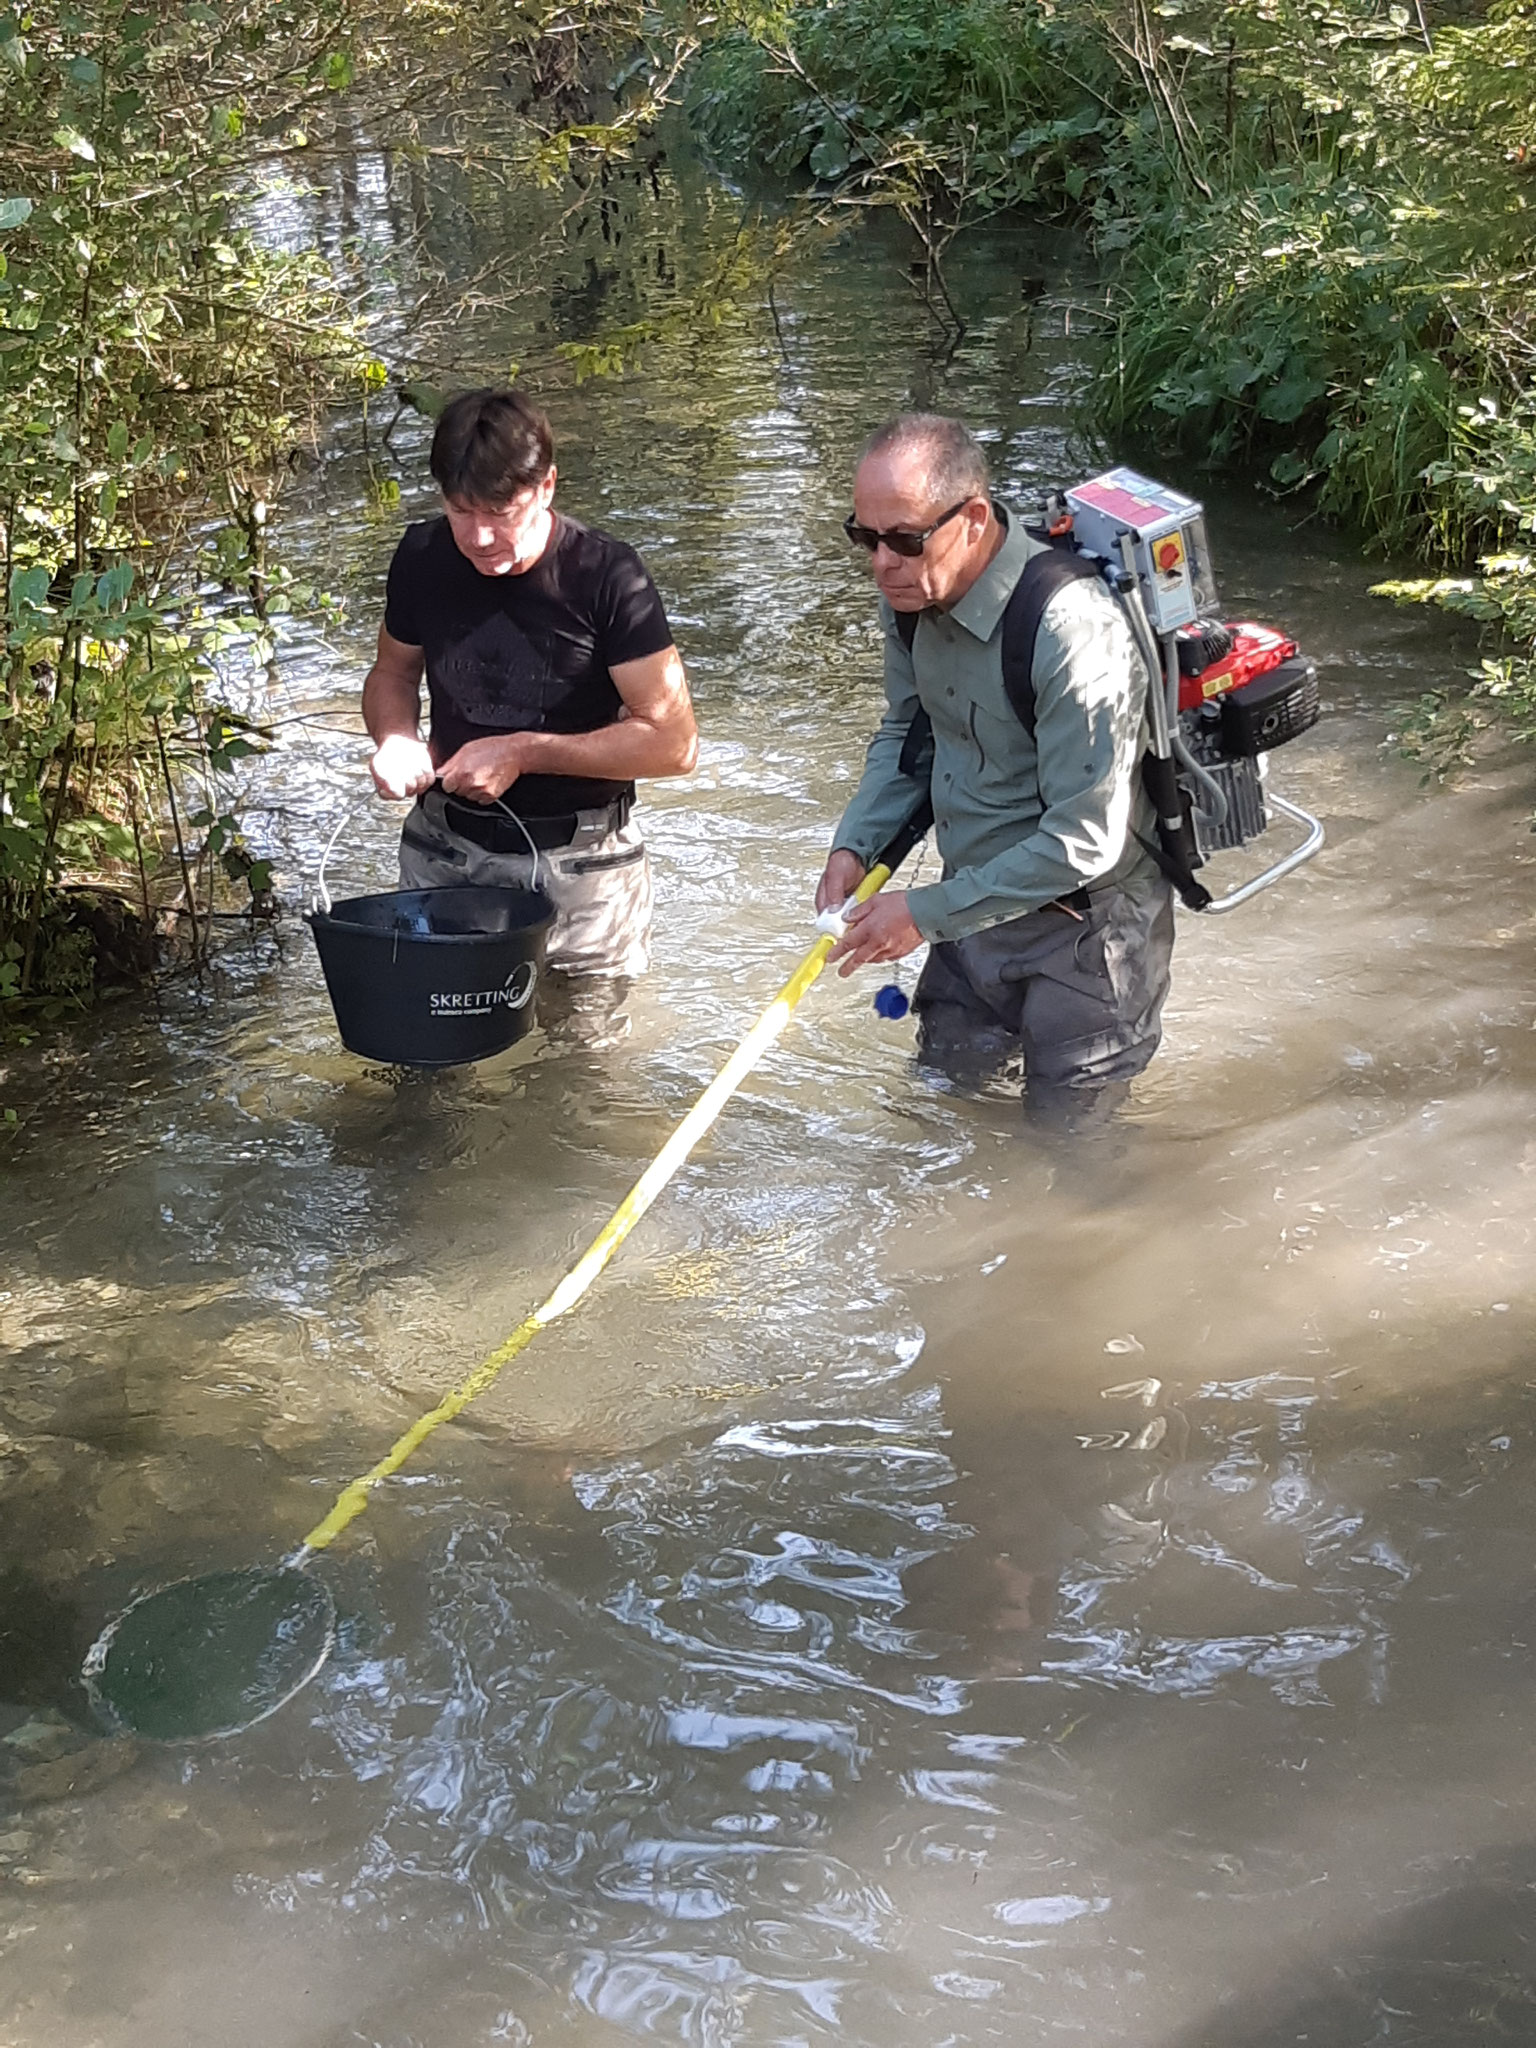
(321, 900)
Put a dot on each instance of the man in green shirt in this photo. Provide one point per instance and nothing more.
(1051, 929)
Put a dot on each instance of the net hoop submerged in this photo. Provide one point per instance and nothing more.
(236, 1644)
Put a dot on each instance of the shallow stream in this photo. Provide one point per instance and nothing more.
(938, 1590)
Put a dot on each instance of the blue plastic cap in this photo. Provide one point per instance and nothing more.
(891, 1002)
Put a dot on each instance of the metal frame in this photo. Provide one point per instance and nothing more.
(1311, 845)
(1162, 717)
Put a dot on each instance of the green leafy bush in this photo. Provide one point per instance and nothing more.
(1331, 279)
(157, 361)
(949, 110)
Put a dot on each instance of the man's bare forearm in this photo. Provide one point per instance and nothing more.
(628, 750)
(391, 706)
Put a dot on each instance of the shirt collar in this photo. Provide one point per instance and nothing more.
(981, 609)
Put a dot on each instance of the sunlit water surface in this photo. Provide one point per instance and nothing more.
(936, 1590)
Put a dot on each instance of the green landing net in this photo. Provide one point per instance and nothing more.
(209, 1656)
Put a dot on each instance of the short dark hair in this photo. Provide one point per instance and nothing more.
(954, 465)
(489, 446)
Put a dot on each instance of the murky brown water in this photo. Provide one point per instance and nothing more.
(936, 1591)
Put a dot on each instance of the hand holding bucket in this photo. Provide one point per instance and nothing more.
(401, 767)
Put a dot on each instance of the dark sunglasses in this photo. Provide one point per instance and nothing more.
(897, 538)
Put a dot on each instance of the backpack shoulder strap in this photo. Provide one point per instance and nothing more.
(917, 748)
(1043, 576)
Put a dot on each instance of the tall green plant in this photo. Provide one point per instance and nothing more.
(157, 362)
(1330, 275)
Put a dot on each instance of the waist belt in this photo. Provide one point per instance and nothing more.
(1078, 904)
(486, 826)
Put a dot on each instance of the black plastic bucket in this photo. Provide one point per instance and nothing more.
(433, 977)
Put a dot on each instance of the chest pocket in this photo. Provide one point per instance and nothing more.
(495, 676)
(1002, 757)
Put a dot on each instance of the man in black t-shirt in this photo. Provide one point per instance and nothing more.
(553, 684)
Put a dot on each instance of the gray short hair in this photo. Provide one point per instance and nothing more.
(954, 466)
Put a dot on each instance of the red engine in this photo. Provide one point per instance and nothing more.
(1244, 689)
(1216, 658)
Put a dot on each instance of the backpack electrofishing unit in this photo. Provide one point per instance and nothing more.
(1223, 694)
(1232, 691)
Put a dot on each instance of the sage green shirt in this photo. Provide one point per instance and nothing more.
(1019, 820)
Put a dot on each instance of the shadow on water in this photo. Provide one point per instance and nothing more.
(42, 1640)
(1456, 1968)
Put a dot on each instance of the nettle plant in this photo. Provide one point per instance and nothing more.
(1321, 227)
(1495, 479)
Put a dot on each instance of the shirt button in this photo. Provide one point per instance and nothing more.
(949, 778)
(950, 691)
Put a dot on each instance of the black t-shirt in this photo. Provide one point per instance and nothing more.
(528, 653)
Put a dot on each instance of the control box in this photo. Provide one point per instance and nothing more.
(1168, 544)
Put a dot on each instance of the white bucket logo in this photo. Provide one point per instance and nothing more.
(515, 993)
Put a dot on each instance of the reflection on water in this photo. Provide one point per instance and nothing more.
(938, 1589)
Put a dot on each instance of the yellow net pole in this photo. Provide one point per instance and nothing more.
(352, 1499)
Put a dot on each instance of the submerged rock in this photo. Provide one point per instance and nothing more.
(81, 1771)
(46, 1736)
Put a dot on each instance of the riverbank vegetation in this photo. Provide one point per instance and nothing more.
(158, 362)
